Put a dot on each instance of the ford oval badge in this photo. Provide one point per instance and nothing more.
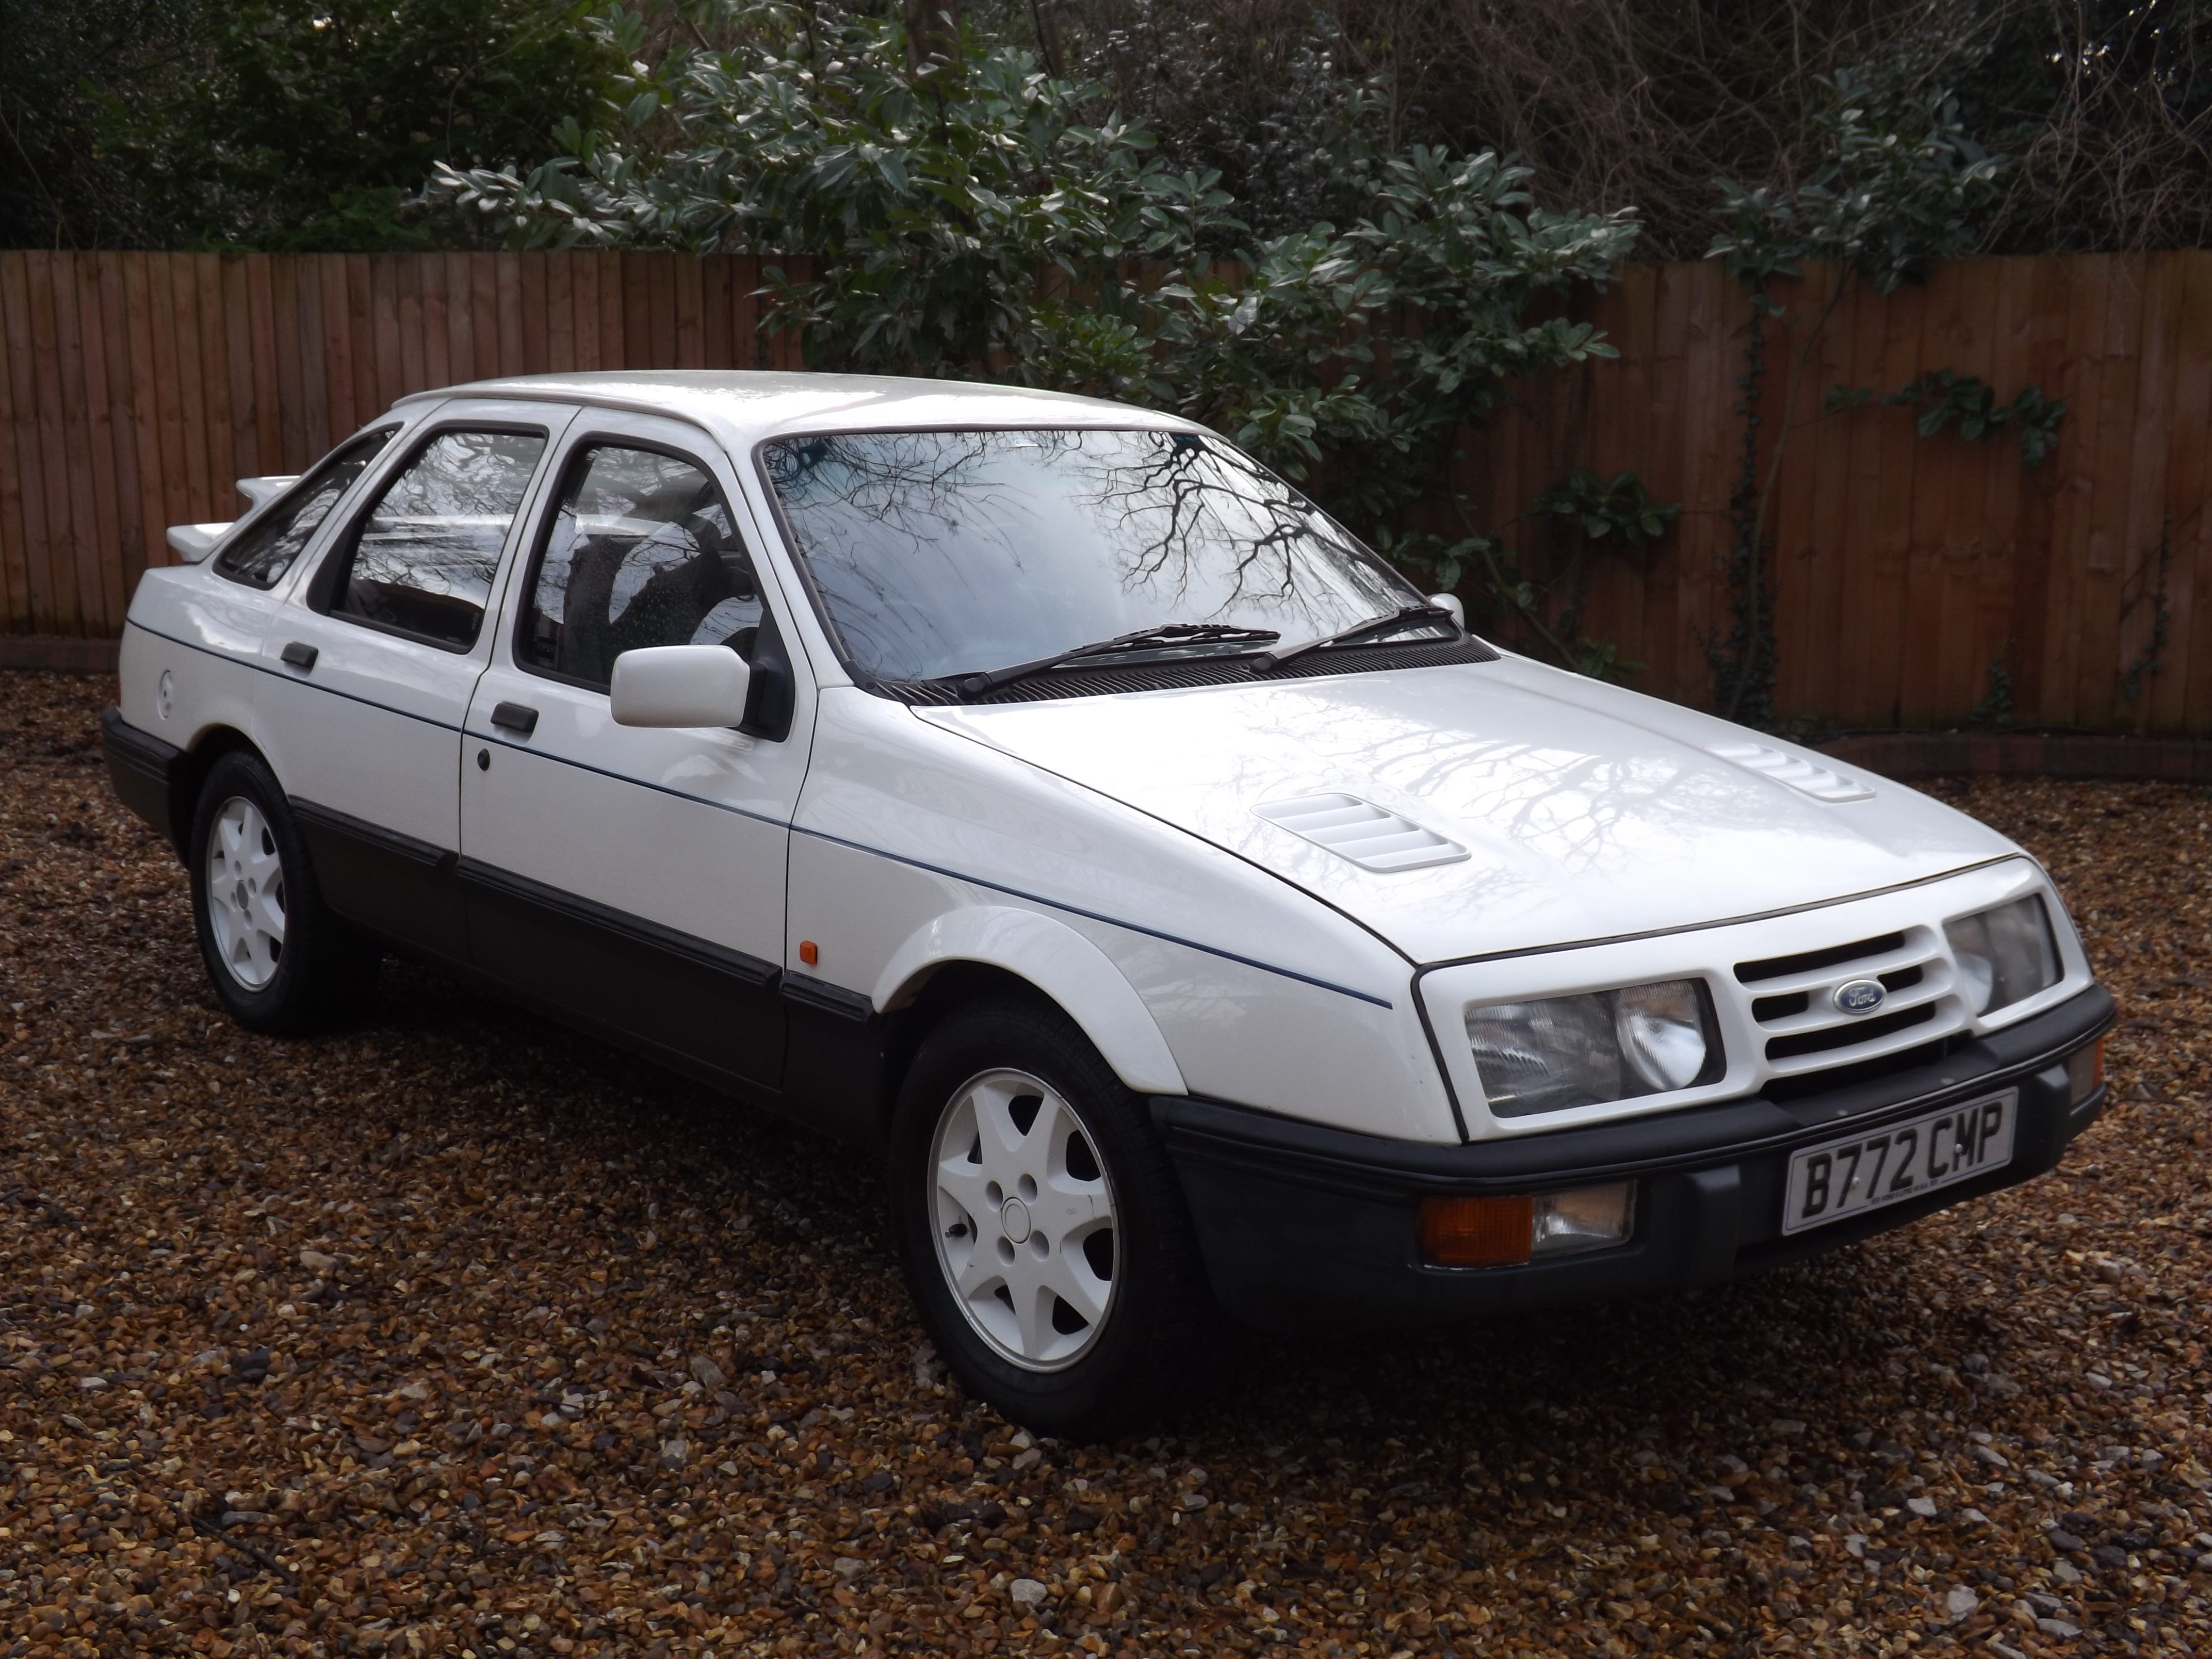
(1860, 996)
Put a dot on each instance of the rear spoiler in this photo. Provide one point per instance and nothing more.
(257, 490)
(192, 543)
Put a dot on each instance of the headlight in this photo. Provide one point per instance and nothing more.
(2005, 954)
(1604, 1045)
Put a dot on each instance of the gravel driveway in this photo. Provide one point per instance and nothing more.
(455, 1334)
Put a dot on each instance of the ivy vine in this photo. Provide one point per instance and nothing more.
(1898, 192)
(1544, 611)
(1944, 395)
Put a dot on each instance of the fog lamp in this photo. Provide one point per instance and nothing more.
(1495, 1232)
(2085, 1072)
(1586, 1219)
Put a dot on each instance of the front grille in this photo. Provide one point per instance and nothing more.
(1811, 962)
(1844, 1037)
(1863, 1071)
(1807, 1031)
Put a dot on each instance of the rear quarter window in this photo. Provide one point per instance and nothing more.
(264, 551)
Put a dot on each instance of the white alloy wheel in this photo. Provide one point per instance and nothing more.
(1025, 1221)
(245, 892)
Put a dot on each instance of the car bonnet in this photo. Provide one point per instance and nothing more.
(1465, 811)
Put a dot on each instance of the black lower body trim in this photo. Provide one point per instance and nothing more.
(747, 970)
(394, 888)
(711, 1013)
(670, 991)
(1303, 1225)
(829, 999)
(143, 770)
(406, 849)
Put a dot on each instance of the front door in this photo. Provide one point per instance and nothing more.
(371, 659)
(634, 879)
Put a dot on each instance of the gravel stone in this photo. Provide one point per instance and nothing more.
(401, 1324)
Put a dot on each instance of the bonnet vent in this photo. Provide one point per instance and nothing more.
(1360, 832)
(1800, 775)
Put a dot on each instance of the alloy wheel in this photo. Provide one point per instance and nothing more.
(246, 893)
(1025, 1220)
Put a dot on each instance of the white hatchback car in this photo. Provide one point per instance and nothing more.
(1040, 791)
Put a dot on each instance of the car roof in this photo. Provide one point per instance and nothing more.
(742, 406)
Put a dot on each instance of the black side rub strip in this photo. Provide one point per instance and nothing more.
(813, 993)
(749, 971)
(373, 835)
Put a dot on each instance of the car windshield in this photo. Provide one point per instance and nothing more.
(946, 553)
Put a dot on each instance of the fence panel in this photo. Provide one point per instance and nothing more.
(1912, 577)
(135, 388)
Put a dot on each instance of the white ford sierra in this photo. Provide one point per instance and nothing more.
(1039, 791)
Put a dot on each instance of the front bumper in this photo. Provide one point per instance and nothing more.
(1302, 1224)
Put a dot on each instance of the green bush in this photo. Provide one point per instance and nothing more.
(975, 216)
(272, 124)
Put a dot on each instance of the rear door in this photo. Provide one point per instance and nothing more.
(371, 661)
(634, 879)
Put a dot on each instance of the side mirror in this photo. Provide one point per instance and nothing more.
(679, 685)
(1450, 602)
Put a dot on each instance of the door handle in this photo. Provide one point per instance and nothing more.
(518, 718)
(301, 655)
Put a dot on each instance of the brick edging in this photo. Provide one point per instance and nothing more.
(58, 653)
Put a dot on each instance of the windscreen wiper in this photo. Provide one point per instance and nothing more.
(1167, 633)
(1403, 615)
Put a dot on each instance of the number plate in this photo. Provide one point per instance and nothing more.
(1847, 1177)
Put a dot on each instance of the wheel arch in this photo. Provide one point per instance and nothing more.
(973, 951)
(190, 776)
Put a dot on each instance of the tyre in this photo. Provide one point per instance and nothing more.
(279, 961)
(1043, 1228)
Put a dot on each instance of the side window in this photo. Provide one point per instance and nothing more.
(423, 559)
(641, 551)
(266, 550)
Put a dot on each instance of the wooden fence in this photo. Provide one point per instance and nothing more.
(135, 387)
(1905, 568)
